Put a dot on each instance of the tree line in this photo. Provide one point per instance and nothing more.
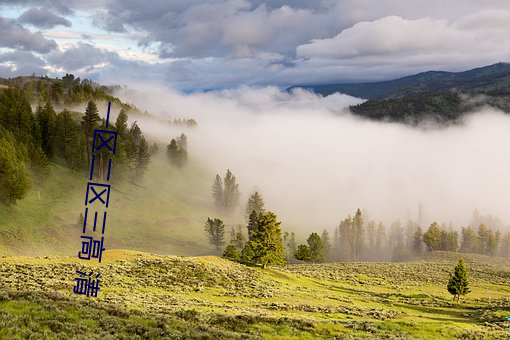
(357, 240)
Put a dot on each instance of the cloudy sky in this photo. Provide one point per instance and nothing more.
(198, 44)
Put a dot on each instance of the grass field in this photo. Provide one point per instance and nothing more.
(146, 296)
(164, 213)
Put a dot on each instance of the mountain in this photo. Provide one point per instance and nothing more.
(494, 79)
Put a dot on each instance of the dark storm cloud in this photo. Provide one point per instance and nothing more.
(16, 36)
(42, 18)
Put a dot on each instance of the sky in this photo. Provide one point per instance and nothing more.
(202, 45)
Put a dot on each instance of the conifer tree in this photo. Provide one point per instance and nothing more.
(14, 175)
(432, 237)
(247, 254)
(303, 253)
(255, 203)
(215, 231)
(326, 243)
(217, 192)
(143, 158)
(237, 237)
(231, 253)
(289, 240)
(89, 123)
(231, 192)
(357, 234)
(458, 283)
(469, 240)
(316, 247)
(266, 241)
(418, 241)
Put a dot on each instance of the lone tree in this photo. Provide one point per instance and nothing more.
(458, 284)
(266, 241)
(215, 230)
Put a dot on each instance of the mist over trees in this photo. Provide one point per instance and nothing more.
(226, 193)
(255, 203)
(215, 231)
(356, 240)
(177, 151)
(65, 138)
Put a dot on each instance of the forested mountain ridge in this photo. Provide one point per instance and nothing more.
(443, 97)
(492, 79)
(65, 91)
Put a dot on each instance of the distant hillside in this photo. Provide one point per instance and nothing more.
(493, 79)
(435, 96)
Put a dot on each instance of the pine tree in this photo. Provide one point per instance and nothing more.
(143, 158)
(458, 283)
(177, 151)
(371, 238)
(289, 240)
(316, 247)
(217, 193)
(231, 253)
(345, 233)
(303, 253)
(381, 240)
(505, 245)
(14, 175)
(121, 125)
(237, 237)
(253, 225)
(46, 118)
(418, 241)
(326, 243)
(68, 147)
(89, 123)
(255, 203)
(230, 192)
(432, 237)
(357, 233)
(266, 241)
(470, 243)
(215, 231)
(247, 254)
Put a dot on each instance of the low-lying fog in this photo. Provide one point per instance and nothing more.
(315, 163)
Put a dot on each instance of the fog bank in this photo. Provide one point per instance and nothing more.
(315, 163)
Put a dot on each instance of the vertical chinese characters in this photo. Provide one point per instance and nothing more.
(97, 197)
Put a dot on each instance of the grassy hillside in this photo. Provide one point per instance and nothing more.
(164, 213)
(146, 296)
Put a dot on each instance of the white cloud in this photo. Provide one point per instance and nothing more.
(478, 38)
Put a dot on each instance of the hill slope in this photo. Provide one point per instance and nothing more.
(145, 296)
(164, 212)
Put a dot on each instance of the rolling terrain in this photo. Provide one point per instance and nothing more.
(145, 296)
